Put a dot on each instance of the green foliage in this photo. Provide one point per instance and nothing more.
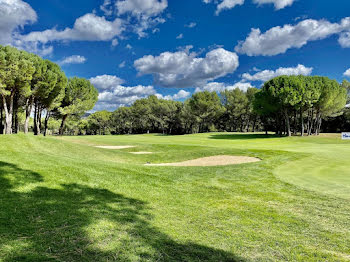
(80, 96)
(99, 121)
(206, 107)
(284, 96)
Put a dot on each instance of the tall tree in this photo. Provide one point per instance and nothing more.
(206, 107)
(80, 97)
(16, 72)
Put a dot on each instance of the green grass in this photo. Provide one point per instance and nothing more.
(61, 199)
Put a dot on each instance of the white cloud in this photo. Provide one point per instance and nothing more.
(139, 8)
(227, 4)
(115, 42)
(113, 94)
(107, 7)
(220, 87)
(180, 36)
(182, 94)
(128, 46)
(122, 64)
(74, 59)
(14, 14)
(347, 73)
(344, 40)
(278, 40)
(86, 28)
(104, 82)
(191, 25)
(185, 69)
(266, 75)
(279, 4)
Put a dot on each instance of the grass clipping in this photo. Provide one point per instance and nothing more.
(213, 161)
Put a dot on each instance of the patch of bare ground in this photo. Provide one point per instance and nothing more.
(223, 160)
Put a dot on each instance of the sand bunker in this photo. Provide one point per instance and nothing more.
(115, 147)
(213, 161)
(141, 153)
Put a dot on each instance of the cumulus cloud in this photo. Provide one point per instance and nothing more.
(113, 94)
(182, 94)
(229, 4)
(220, 87)
(279, 4)
(266, 75)
(14, 14)
(89, 27)
(104, 82)
(347, 73)
(185, 69)
(140, 14)
(278, 40)
(344, 40)
(141, 7)
(74, 59)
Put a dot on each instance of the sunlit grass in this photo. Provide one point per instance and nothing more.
(62, 199)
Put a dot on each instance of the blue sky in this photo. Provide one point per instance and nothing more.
(134, 48)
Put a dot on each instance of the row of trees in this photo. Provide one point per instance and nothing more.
(285, 105)
(300, 103)
(203, 112)
(36, 92)
(36, 87)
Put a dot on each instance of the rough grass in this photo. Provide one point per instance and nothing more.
(62, 199)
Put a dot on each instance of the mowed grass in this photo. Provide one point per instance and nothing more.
(62, 199)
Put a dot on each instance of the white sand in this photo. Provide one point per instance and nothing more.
(141, 153)
(213, 161)
(114, 147)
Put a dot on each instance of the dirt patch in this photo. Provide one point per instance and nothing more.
(141, 153)
(114, 147)
(213, 161)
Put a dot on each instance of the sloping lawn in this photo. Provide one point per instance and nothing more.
(63, 199)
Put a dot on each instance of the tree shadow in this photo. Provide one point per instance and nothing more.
(80, 223)
(242, 136)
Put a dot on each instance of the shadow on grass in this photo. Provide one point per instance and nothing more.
(242, 136)
(79, 223)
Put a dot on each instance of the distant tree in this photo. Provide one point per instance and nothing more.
(122, 120)
(80, 96)
(101, 120)
(206, 107)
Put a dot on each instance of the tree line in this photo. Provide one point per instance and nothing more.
(31, 87)
(285, 105)
(36, 94)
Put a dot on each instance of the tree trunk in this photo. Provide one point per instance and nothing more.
(29, 107)
(1, 119)
(37, 119)
(46, 122)
(64, 118)
(302, 121)
(8, 114)
(287, 123)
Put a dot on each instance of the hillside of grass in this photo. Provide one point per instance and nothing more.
(62, 199)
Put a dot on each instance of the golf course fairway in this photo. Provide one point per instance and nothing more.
(91, 198)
